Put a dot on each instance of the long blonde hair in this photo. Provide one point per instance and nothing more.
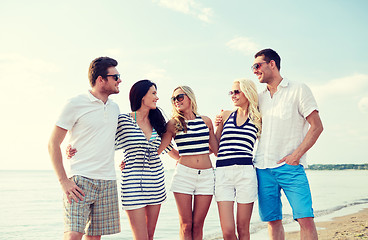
(177, 115)
(250, 91)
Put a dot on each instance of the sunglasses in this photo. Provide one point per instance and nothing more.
(236, 92)
(256, 66)
(179, 97)
(115, 76)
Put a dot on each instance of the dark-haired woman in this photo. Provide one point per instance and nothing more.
(139, 135)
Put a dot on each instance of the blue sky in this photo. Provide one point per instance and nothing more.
(46, 48)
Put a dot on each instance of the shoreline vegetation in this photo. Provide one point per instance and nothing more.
(338, 167)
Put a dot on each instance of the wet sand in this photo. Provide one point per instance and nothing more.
(352, 226)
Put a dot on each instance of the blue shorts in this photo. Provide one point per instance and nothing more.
(293, 181)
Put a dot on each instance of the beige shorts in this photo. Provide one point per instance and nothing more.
(98, 213)
(236, 183)
(193, 181)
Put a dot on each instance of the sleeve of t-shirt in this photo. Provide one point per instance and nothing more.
(117, 106)
(68, 116)
(307, 102)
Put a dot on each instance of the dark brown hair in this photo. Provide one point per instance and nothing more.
(98, 67)
(269, 55)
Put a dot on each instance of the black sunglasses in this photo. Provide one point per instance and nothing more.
(115, 76)
(236, 92)
(179, 97)
(256, 66)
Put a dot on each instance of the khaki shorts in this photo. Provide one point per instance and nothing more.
(98, 213)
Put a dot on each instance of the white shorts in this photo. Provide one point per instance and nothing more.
(236, 183)
(193, 181)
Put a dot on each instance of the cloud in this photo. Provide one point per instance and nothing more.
(363, 105)
(189, 7)
(205, 14)
(243, 45)
(346, 86)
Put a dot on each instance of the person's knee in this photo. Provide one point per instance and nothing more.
(243, 231)
(306, 223)
(186, 225)
(307, 228)
(73, 236)
(92, 237)
(198, 225)
(275, 224)
(228, 232)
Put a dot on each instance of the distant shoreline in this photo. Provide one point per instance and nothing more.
(338, 166)
(317, 167)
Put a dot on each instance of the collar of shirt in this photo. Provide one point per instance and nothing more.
(94, 99)
(284, 83)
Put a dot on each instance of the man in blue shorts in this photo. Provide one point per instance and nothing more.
(90, 194)
(290, 127)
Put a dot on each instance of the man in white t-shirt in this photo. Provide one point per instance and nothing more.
(290, 127)
(90, 193)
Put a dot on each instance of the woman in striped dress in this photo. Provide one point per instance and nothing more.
(193, 180)
(143, 183)
(236, 178)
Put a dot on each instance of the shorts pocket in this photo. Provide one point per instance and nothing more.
(292, 165)
(75, 179)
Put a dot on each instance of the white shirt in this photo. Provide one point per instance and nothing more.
(284, 123)
(92, 127)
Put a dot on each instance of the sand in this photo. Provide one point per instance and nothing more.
(353, 226)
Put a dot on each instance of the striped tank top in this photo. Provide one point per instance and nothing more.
(236, 143)
(195, 140)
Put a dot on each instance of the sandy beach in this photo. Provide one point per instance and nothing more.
(353, 226)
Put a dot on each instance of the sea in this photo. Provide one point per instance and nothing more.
(31, 205)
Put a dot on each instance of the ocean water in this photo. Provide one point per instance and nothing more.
(31, 205)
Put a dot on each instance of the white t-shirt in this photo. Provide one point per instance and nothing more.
(284, 123)
(92, 127)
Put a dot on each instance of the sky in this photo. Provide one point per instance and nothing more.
(47, 46)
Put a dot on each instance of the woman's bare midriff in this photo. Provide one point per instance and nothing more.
(201, 161)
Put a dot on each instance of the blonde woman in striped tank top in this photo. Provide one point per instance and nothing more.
(236, 179)
(193, 180)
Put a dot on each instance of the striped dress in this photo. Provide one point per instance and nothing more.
(143, 181)
(236, 143)
(195, 140)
